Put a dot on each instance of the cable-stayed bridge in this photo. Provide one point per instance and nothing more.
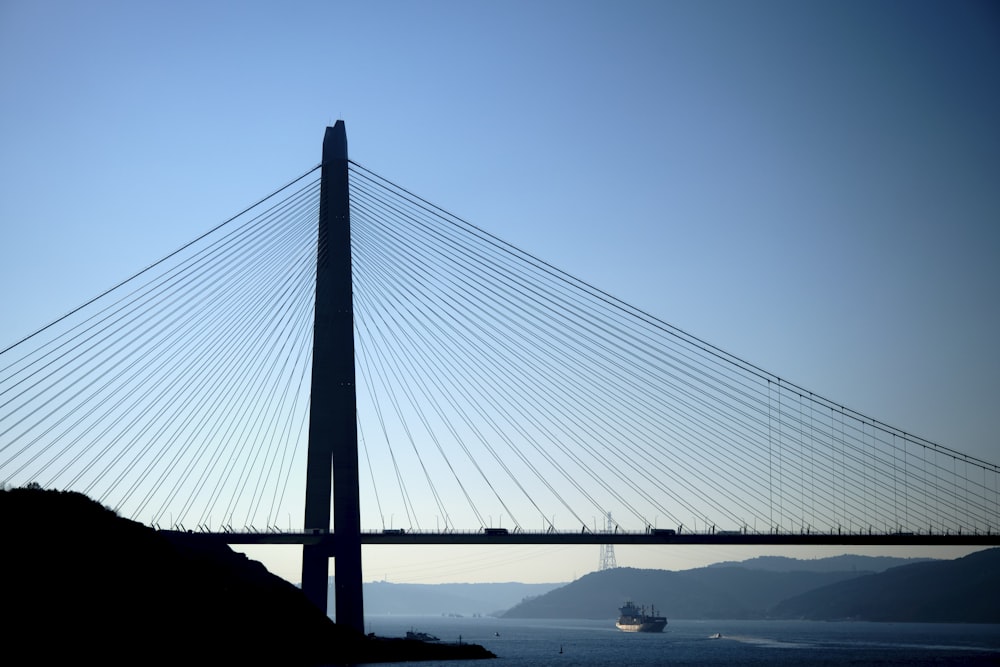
(496, 400)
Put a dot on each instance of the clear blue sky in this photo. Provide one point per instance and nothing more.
(813, 186)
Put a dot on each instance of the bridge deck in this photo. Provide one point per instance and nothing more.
(588, 537)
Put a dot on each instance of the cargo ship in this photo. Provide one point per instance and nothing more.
(635, 619)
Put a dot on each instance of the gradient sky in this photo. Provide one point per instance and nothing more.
(812, 186)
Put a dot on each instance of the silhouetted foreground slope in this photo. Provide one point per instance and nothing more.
(81, 584)
(964, 590)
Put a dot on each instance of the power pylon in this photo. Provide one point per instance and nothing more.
(608, 550)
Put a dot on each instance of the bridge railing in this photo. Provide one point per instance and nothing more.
(662, 534)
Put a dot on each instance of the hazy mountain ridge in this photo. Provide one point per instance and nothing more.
(844, 563)
(701, 593)
(963, 590)
(383, 597)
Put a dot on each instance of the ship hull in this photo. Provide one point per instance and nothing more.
(656, 625)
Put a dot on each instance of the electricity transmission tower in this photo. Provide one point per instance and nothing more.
(607, 550)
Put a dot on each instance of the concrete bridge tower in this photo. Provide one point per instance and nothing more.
(333, 434)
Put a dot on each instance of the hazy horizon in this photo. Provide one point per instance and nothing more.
(536, 565)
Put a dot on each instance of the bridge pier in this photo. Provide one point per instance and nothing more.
(332, 462)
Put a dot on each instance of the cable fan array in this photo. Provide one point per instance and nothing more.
(180, 396)
(505, 390)
(493, 390)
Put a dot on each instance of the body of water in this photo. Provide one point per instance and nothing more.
(771, 643)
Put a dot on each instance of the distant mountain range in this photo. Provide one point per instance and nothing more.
(383, 597)
(845, 563)
(846, 587)
(494, 599)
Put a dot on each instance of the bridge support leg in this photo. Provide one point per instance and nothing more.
(333, 434)
(316, 574)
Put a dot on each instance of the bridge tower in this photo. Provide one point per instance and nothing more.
(333, 435)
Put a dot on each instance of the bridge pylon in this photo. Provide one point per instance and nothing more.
(333, 435)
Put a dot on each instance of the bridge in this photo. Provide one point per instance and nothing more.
(345, 340)
(708, 537)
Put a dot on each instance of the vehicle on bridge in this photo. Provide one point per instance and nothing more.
(495, 531)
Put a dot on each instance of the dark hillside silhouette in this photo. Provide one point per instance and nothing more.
(964, 590)
(81, 584)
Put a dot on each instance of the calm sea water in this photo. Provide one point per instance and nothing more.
(771, 643)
